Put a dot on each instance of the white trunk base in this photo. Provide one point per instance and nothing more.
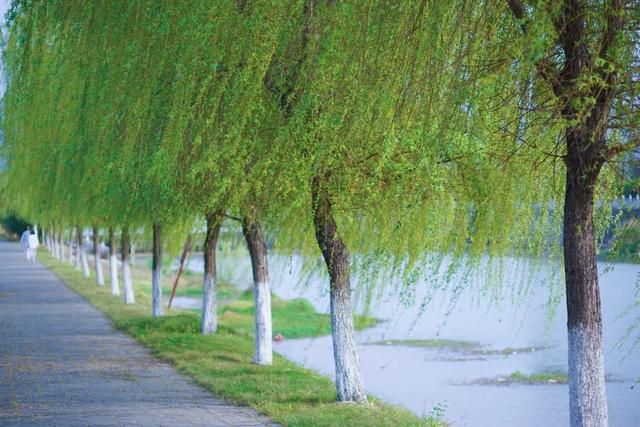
(156, 293)
(85, 264)
(76, 260)
(113, 273)
(58, 249)
(129, 295)
(209, 309)
(99, 273)
(587, 395)
(263, 338)
(345, 352)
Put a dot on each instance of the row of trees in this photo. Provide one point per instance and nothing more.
(393, 130)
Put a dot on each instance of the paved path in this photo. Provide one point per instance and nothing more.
(62, 364)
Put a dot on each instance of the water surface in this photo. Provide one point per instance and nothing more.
(518, 334)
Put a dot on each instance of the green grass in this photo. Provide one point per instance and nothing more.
(287, 393)
(537, 378)
(292, 318)
(517, 377)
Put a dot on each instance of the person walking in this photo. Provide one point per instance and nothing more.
(24, 239)
(34, 243)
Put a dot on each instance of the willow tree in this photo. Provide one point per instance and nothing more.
(134, 181)
(217, 98)
(53, 148)
(42, 138)
(387, 150)
(583, 60)
(97, 118)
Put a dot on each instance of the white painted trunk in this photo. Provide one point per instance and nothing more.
(209, 305)
(86, 272)
(60, 248)
(156, 272)
(129, 295)
(345, 352)
(77, 259)
(56, 247)
(113, 273)
(70, 254)
(156, 292)
(98, 267)
(263, 338)
(587, 394)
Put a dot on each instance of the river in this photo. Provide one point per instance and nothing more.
(465, 381)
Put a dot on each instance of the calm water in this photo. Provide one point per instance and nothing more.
(521, 332)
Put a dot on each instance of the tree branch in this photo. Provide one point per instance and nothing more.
(616, 149)
(614, 25)
(235, 218)
(543, 66)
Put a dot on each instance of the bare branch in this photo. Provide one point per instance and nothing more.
(235, 218)
(614, 150)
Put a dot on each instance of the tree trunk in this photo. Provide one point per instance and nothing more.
(129, 295)
(156, 273)
(71, 257)
(257, 246)
(49, 242)
(76, 252)
(96, 256)
(113, 263)
(336, 256)
(209, 303)
(57, 244)
(183, 257)
(587, 397)
(81, 255)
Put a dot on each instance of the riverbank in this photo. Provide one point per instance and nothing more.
(285, 392)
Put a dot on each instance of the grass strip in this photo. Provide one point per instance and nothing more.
(285, 392)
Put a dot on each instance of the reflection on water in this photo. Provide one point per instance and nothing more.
(429, 380)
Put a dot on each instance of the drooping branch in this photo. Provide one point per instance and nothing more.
(544, 66)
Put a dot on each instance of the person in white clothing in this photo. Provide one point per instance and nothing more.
(33, 246)
(24, 239)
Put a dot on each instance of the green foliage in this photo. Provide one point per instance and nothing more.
(426, 123)
(13, 224)
(626, 246)
(293, 319)
(537, 378)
